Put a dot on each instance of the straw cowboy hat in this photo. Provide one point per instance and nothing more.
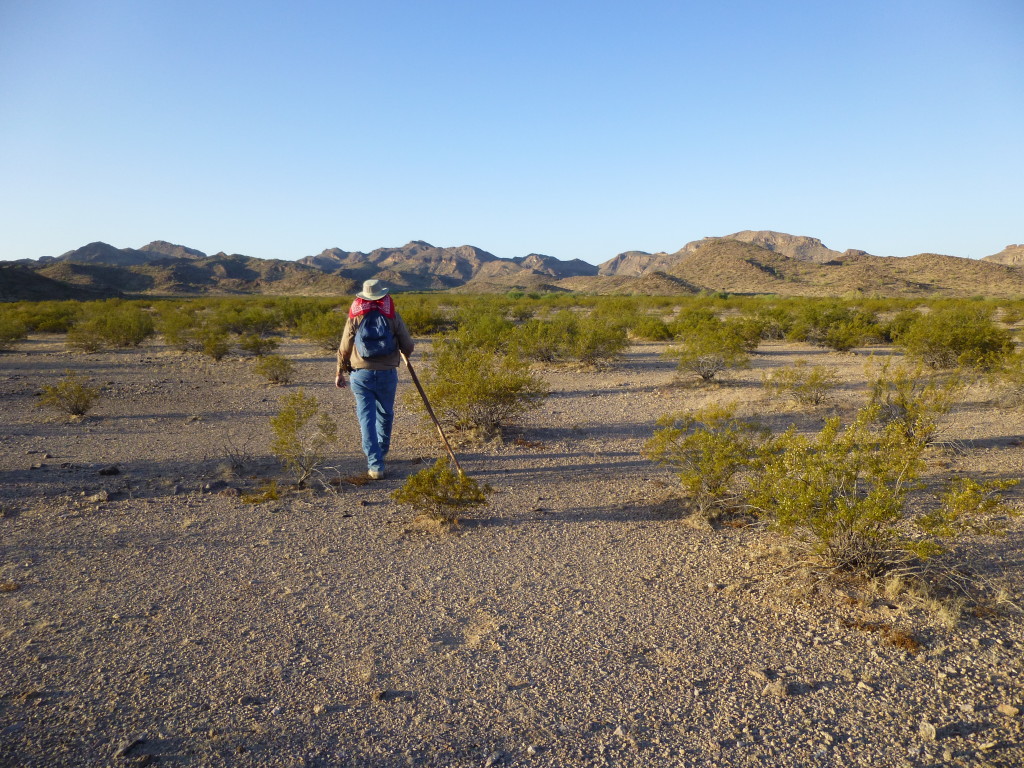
(373, 290)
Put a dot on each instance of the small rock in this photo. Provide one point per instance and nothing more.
(619, 733)
(966, 708)
(247, 700)
(493, 758)
(531, 750)
(927, 731)
(127, 746)
(777, 688)
(111, 469)
(1008, 709)
(758, 673)
(988, 745)
(862, 686)
(319, 709)
(98, 498)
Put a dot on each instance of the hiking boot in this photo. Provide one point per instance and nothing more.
(376, 474)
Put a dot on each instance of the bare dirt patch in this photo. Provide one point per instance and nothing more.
(158, 618)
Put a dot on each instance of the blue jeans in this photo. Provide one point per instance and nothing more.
(374, 392)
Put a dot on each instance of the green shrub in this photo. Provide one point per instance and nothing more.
(896, 327)
(275, 369)
(440, 494)
(1010, 380)
(775, 322)
(961, 334)
(484, 330)
(691, 320)
(214, 343)
(912, 400)
(843, 491)
(111, 324)
(422, 318)
(709, 350)
(650, 329)
(50, 316)
(241, 318)
(747, 331)
(594, 340)
(302, 434)
(12, 330)
(179, 326)
(806, 384)
(323, 329)
(85, 336)
(71, 395)
(478, 390)
(258, 345)
(707, 450)
(834, 325)
(970, 507)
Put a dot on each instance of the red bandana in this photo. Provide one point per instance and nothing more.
(385, 306)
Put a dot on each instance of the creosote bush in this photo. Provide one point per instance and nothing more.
(1010, 381)
(12, 330)
(440, 494)
(833, 324)
(477, 390)
(258, 345)
(708, 350)
(914, 399)
(275, 369)
(324, 329)
(111, 324)
(806, 384)
(214, 343)
(845, 490)
(71, 395)
(708, 450)
(958, 335)
(302, 434)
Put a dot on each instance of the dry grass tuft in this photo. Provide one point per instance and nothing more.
(897, 638)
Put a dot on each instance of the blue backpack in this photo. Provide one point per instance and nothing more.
(374, 336)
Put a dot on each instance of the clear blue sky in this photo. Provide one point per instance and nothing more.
(573, 128)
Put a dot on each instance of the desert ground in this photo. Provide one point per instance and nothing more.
(152, 616)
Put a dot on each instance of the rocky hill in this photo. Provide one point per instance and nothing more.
(150, 272)
(755, 262)
(103, 253)
(21, 283)
(419, 265)
(1011, 254)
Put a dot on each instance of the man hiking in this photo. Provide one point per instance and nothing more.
(372, 344)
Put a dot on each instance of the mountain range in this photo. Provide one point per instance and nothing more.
(755, 262)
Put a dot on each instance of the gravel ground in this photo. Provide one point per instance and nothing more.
(152, 617)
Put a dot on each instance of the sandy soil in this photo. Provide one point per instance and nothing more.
(152, 617)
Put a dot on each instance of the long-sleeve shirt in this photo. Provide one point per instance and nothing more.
(348, 356)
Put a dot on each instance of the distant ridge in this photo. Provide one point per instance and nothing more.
(1011, 254)
(754, 262)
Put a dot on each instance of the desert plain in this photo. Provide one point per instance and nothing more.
(152, 616)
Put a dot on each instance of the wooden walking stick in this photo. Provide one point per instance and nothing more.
(426, 404)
